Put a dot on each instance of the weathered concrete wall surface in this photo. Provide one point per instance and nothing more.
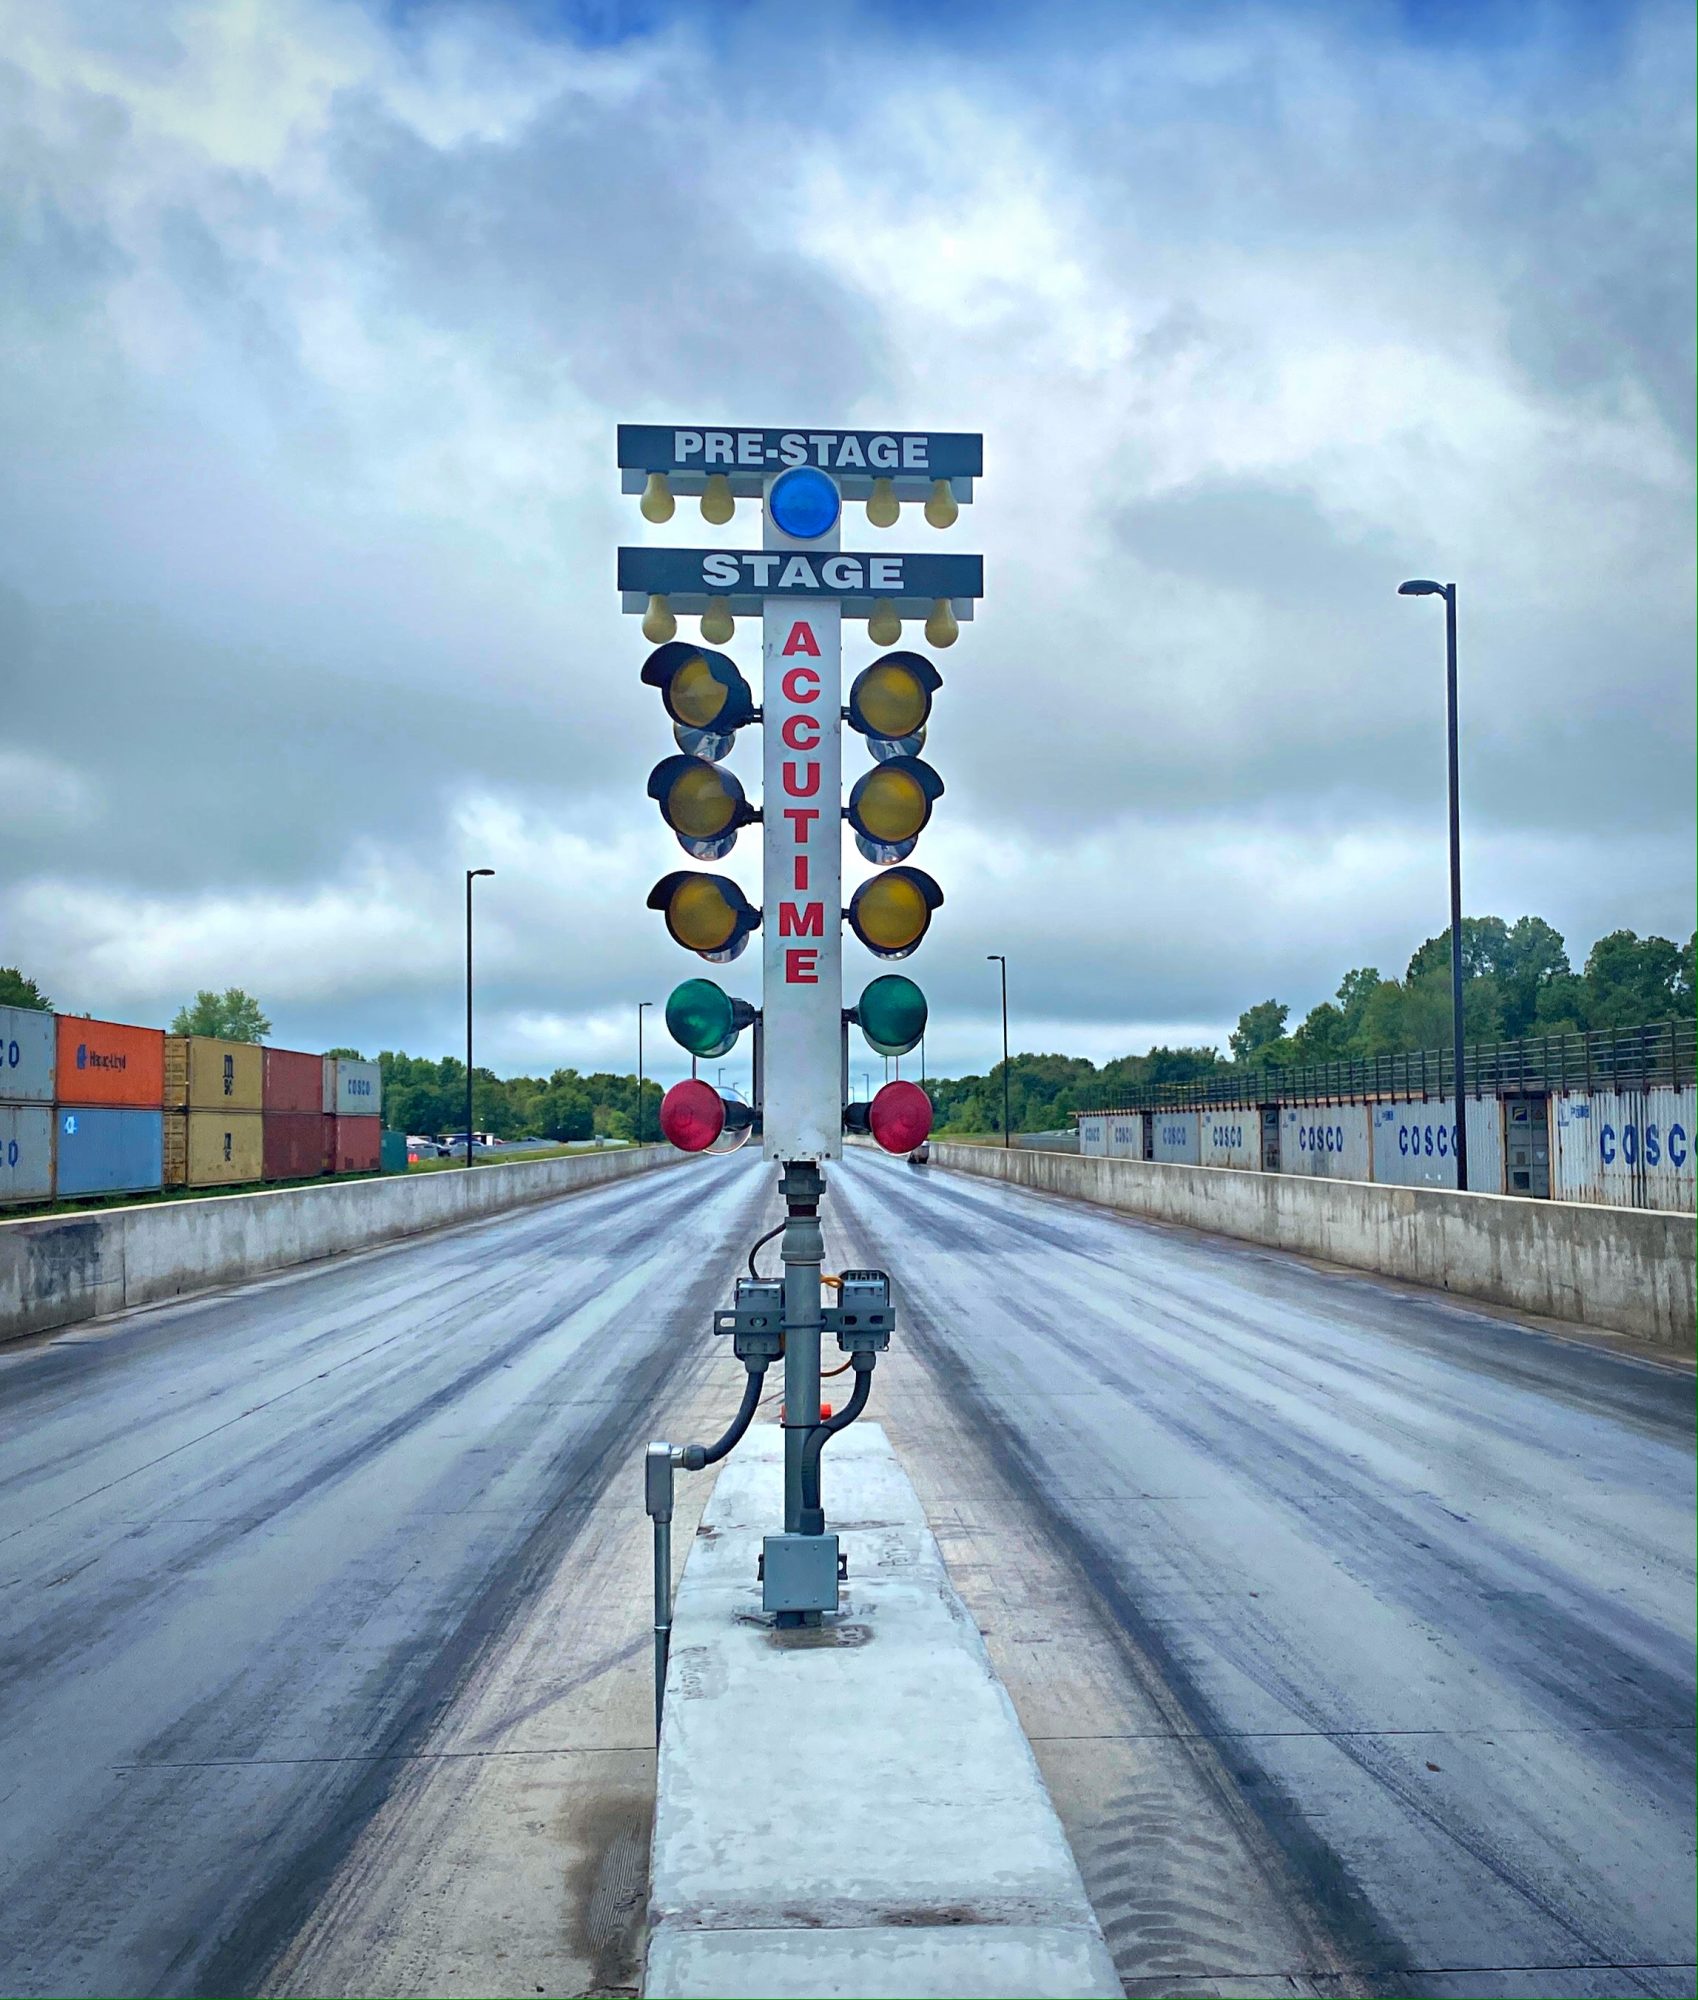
(58, 1269)
(1626, 1269)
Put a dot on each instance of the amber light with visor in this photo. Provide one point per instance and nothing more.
(708, 914)
(889, 806)
(703, 804)
(890, 701)
(891, 912)
(705, 695)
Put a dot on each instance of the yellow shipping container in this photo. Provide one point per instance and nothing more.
(213, 1148)
(204, 1074)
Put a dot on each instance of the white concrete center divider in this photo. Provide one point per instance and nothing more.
(1628, 1270)
(58, 1269)
(852, 1810)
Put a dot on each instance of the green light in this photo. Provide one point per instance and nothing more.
(698, 1017)
(892, 1014)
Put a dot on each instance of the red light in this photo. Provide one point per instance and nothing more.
(692, 1115)
(899, 1116)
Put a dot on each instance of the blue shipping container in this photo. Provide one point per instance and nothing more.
(26, 1152)
(104, 1150)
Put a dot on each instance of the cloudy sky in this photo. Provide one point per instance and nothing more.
(317, 318)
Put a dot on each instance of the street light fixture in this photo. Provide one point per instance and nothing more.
(998, 957)
(472, 875)
(641, 1004)
(1425, 587)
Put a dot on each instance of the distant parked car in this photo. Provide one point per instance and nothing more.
(421, 1147)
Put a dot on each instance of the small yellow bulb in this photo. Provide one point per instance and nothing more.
(659, 625)
(941, 509)
(718, 506)
(717, 622)
(657, 502)
(941, 628)
(884, 628)
(884, 510)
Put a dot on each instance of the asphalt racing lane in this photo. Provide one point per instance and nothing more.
(252, 1547)
(1423, 1578)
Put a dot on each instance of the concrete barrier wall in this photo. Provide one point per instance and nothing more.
(58, 1269)
(1629, 1270)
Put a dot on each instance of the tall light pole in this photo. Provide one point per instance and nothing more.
(1424, 587)
(641, 1004)
(1003, 962)
(472, 875)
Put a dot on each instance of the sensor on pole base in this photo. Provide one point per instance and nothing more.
(799, 1573)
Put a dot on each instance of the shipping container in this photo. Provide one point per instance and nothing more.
(352, 1089)
(293, 1146)
(355, 1144)
(213, 1148)
(104, 1062)
(1173, 1137)
(1124, 1138)
(1328, 1140)
(203, 1073)
(107, 1149)
(1093, 1137)
(293, 1081)
(27, 1055)
(1230, 1135)
(1414, 1143)
(1629, 1148)
(26, 1152)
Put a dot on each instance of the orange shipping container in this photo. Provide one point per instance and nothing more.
(104, 1062)
(355, 1144)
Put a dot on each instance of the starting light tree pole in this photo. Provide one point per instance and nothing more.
(802, 584)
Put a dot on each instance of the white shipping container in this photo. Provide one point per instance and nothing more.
(352, 1089)
(28, 1040)
(1627, 1148)
(1093, 1137)
(1230, 1135)
(26, 1151)
(1126, 1136)
(1173, 1137)
(1328, 1140)
(1414, 1143)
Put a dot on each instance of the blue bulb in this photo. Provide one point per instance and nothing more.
(804, 502)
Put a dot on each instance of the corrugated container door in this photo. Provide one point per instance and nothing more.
(294, 1144)
(26, 1151)
(105, 1062)
(1329, 1141)
(225, 1076)
(226, 1148)
(293, 1081)
(27, 1055)
(1671, 1116)
(358, 1145)
(176, 1142)
(105, 1150)
(359, 1089)
(1124, 1139)
(1230, 1136)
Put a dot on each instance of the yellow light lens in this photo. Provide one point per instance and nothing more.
(891, 804)
(699, 916)
(694, 696)
(698, 804)
(891, 912)
(891, 700)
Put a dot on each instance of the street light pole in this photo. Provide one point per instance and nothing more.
(641, 1004)
(1424, 587)
(1003, 963)
(471, 876)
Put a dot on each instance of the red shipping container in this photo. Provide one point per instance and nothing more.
(294, 1145)
(355, 1144)
(104, 1062)
(293, 1082)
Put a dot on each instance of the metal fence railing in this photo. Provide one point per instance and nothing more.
(1601, 1059)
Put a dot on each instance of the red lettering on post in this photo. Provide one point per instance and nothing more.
(801, 871)
(801, 640)
(801, 966)
(808, 920)
(793, 776)
(801, 684)
(801, 732)
(799, 816)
